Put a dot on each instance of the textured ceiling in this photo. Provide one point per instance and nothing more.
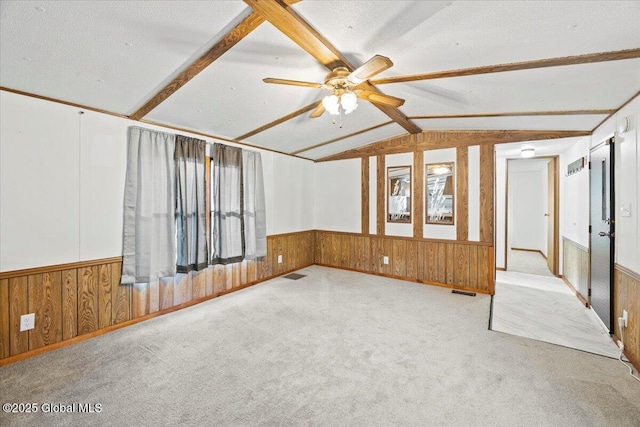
(116, 55)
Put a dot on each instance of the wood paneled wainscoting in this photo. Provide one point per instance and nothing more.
(626, 296)
(575, 268)
(74, 301)
(457, 264)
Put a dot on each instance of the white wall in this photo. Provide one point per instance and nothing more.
(527, 206)
(338, 195)
(574, 190)
(627, 183)
(62, 184)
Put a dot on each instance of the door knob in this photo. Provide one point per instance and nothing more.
(607, 234)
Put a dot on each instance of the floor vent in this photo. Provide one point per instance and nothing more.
(294, 276)
(469, 294)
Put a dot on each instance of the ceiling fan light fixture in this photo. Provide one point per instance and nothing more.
(331, 103)
(349, 102)
(527, 153)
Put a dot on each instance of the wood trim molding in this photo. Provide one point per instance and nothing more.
(462, 193)
(418, 195)
(381, 170)
(364, 204)
(218, 138)
(516, 66)
(436, 139)
(515, 114)
(340, 138)
(575, 291)
(58, 267)
(237, 33)
(486, 192)
(628, 272)
(281, 120)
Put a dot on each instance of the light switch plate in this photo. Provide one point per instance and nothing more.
(625, 210)
(385, 260)
(279, 259)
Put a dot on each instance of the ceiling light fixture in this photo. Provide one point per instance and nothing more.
(527, 152)
(341, 101)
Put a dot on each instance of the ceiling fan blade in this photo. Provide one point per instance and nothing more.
(317, 112)
(374, 66)
(380, 98)
(293, 83)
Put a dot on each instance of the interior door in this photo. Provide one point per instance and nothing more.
(552, 216)
(601, 230)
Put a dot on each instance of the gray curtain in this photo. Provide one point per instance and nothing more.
(149, 241)
(255, 223)
(227, 221)
(191, 211)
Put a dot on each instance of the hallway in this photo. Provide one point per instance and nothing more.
(543, 308)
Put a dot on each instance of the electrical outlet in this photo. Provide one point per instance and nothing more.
(279, 259)
(27, 322)
(385, 260)
(625, 316)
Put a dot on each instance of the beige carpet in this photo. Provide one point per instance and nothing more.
(335, 348)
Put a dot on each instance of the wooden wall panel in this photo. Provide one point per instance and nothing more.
(18, 305)
(462, 193)
(411, 259)
(121, 296)
(104, 296)
(165, 293)
(70, 303)
(399, 257)
(45, 300)
(473, 266)
(451, 263)
(87, 299)
(461, 266)
(418, 194)
(140, 300)
(381, 204)
(5, 350)
(484, 280)
(626, 296)
(219, 279)
(198, 282)
(364, 181)
(575, 268)
(486, 193)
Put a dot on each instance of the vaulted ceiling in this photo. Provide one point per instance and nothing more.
(200, 65)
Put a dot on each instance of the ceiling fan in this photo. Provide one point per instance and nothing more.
(345, 88)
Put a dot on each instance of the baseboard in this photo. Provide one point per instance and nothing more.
(500, 269)
(582, 299)
(410, 279)
(79, 338)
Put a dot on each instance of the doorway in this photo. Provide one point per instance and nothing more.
(601, 230)
(531, 216)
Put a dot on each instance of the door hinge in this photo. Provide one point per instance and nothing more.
(589, 229)
(589, 164)
(589, 293)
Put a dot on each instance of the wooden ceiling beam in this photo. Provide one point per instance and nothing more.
(331, 141)
(435, 139)
(280, 120)
(292, 25)
(237, 33)
(466, 116)
(516, 66)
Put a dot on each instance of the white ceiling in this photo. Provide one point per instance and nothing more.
(115, 55)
